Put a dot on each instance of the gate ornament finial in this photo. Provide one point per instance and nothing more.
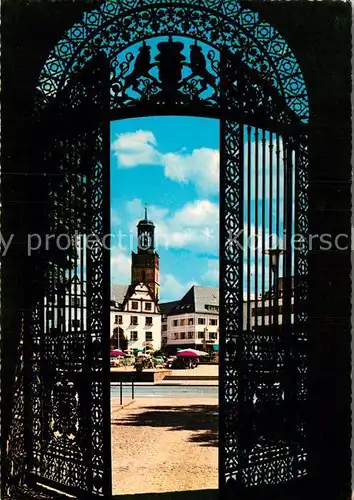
(177, 80)
(170, 62)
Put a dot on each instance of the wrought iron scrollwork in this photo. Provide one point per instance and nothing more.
(172, 83)
(116, 26)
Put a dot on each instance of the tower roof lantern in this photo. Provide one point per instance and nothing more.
(145, 221)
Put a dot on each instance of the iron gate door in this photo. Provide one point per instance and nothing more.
(68, 352)
(263, 290)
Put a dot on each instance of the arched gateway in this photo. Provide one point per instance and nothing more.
(135, 58)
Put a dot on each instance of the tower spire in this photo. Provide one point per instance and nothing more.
(146, 212)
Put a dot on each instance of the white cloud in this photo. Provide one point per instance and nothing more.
(115, 219)
(120, 266)
(135, 148)
(172, 289)
(200, 167)
(212, 273)
(197, 213)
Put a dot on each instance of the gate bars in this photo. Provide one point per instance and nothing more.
(265, 352)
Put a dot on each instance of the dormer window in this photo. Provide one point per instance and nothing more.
(148, 306)
(135, 305)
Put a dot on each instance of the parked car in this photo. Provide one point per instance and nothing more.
(159, 360)
(180, 363)
(169, 361)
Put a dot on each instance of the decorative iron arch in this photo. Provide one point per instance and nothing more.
(223, 23)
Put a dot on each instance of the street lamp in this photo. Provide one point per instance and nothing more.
(204, 340)
(274, 256)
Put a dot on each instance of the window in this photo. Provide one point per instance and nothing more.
(200, 335)
(133, 320)
(201, 321)
(191, 335)
(164, 328)
(135, 305)
(183, 335)
(190, 322)
(118, 320)
(50, 314)
(148, 306)
(75, 323)
(213, 322)
(148, 336)
(175, 335)
(182, 321)
(148, 321)
(212, 308)
(75, 301)
(175, 322)
(133, 336)
(213, 335)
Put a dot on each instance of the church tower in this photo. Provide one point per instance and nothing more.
(145, 263)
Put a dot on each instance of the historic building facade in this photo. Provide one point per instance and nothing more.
(267, 309)
(135, 312)
(192, 322)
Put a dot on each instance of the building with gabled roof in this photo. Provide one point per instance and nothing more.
(192, 322)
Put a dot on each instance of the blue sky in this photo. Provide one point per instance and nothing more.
(172, 165)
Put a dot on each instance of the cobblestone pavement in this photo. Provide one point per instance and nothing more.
(165, 445)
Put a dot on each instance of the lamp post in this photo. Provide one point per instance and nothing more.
(274, 256)
(204, 340)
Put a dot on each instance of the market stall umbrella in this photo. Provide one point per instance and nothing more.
(201, 353)
(116, 352)
(187, 353)
(194, 351)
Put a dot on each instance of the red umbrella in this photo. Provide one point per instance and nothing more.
(187, 353)
(116, 352)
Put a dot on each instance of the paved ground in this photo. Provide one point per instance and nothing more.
(188, 382)
(201, 370)
(165, 445)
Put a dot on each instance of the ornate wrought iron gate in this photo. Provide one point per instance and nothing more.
(263, 171)
(68, 346)
(263, 387)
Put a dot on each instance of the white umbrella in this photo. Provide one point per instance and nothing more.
(202, 353)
